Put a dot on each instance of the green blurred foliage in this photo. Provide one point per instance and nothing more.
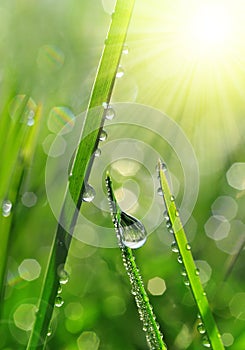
(50, 52)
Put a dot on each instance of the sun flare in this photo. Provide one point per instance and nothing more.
(208, 31)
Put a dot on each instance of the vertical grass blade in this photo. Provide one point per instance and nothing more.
(150, 325)
(16, 161)
(210, 329)
(101, 93)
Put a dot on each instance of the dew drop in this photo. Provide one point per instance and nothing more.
(188, 246)
(177, 213)
(179, 259)
(201, 329)
(172, 198)
(205, 342)
(197, 272)
(97, 153)
(183, 272)
(89, 193)
(103, 135)
(204, 293)
(59, 301)
(109, 113)
(168, 225)
(6, 207)
(120, 72)
(159, 191)
(170, 230)
(186, 281)
(174, 247)
(59, 291)
(64, 276)
(165, 215)
(199, 316)
(49, 332)
(132, 231)
(125, 49)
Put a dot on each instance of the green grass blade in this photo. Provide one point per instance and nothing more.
(16, 160)
(150, 326)
(101, 93)
(211, 330)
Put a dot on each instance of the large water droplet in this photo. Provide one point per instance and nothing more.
(103, 135)
(6, 207)
(132, 231)
(172, 198)
(201, 329)
(89, 193)
(120, 72)
(59, 301)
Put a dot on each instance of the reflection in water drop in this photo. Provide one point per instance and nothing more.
(6, 207)
(89, 193)
(132, 231)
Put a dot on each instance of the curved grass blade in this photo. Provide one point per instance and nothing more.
(150, 326)
(101, 94)
(210, 328)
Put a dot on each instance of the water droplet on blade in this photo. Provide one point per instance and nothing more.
(205, 342)
(197, 272)
(201, 329)
(59, 291)
(59, 301)
(120, 72)
(6, 207)
(188, 246)
(159, 191)
(89, 193)
(109, 113)
(177, 213)
(64, 276)
(172, 198)
(125, 49)
(132, 231)
(179, 259)
(174, 247)
(103, 135)
(49, 332)
(97, 153)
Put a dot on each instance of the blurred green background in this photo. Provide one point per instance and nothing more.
(50, 52)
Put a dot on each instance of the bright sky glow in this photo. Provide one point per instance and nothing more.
(208, 30)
